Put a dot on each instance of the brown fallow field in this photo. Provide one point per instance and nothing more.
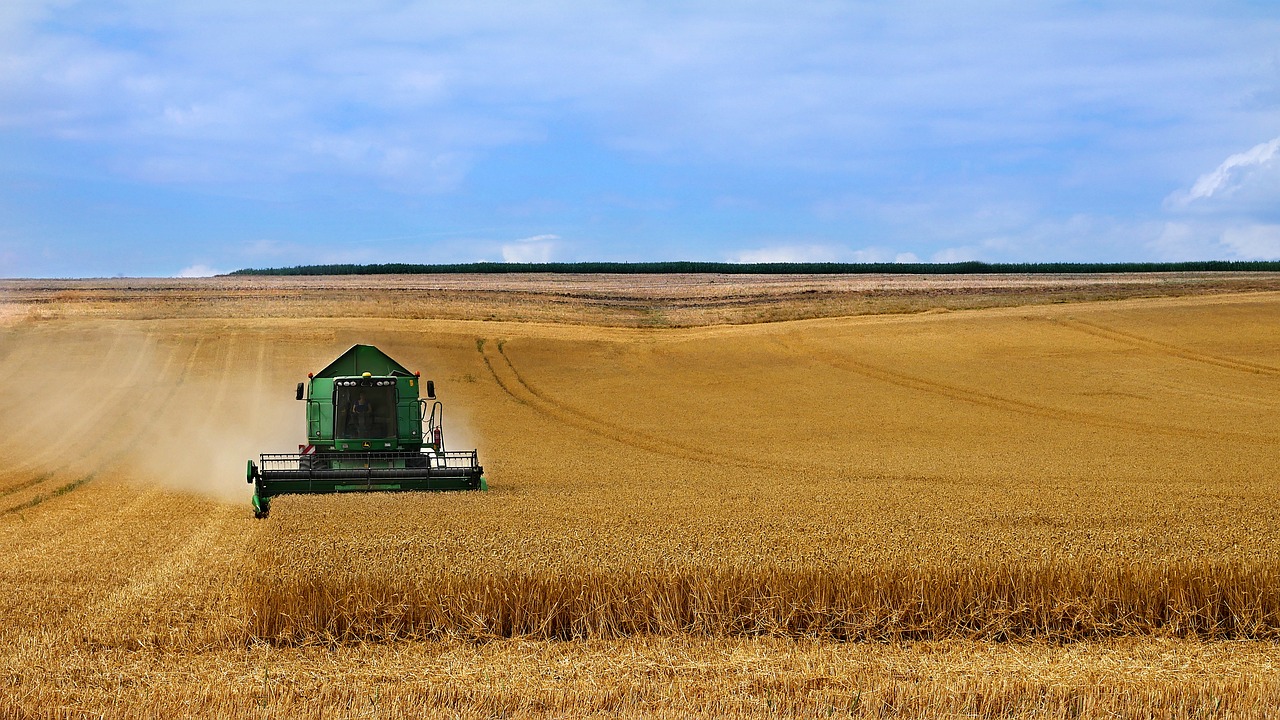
(971, 497)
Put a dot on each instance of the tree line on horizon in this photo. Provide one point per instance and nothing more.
(779, 268)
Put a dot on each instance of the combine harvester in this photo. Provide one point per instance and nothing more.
(365, 434)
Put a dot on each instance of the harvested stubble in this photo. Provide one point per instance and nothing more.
(659, 677)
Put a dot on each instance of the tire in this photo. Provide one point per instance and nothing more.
(313, 462)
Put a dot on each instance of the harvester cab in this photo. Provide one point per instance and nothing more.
(368, 430)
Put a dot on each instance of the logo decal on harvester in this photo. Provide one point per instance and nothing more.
(366, 444)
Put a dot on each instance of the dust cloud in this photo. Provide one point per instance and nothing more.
(458, 432)
(176, 410)
(180, 413)
(205, 451)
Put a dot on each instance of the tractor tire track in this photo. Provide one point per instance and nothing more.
(1005, 404)
(497, 378)
(1158, 346)
(525, 393)
(514, 386)
(1191, 390)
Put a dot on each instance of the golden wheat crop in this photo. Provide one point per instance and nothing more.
(1057, 511)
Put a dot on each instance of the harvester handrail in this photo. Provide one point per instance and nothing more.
(443, 459)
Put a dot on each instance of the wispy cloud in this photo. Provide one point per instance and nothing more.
(1216, 238)
(536, 249)
(1230, 175)
(972, 130)
(1253, 242)
(1228, 213)
(821, 253)
(955, 255)
(788, 254)
(197, 271)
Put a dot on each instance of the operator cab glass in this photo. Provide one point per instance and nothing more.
(365, 408)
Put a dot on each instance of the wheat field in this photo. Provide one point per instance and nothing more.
(1005, 509)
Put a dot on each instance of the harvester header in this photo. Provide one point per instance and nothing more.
(368, 430)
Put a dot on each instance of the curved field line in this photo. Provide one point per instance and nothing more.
(480, 346)
(1164, 348)
(1006, 404)
(524, 392)
(519, 390)
(1198, 391)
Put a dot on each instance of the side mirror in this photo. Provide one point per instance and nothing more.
(299, 391)
(431, 389)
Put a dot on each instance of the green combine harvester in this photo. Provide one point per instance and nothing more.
(365, 433)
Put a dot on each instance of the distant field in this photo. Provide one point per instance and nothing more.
(985, 496)
(606, 300)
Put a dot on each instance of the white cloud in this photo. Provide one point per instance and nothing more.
(268, 248)
(821, 253)
(1050, 111)
(1253, 242)
(536, 249)
(773, 84)
(1235, 171)
(197, 271)
(954, 255)
(1179, 241)
(873, 255)
(1227, 214)
(1216, 239)
(787, 254)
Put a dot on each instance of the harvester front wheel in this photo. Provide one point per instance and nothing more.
(261, 506)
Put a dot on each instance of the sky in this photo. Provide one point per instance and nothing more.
(150, 138)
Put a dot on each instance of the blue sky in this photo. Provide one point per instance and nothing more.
(162, 138)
